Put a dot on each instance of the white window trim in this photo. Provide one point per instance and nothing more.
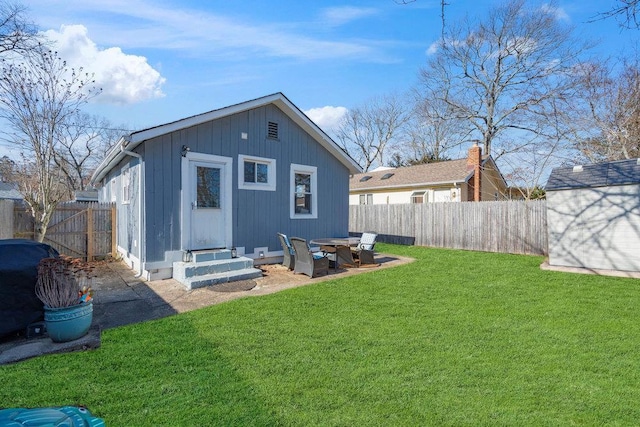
(420, 193)
(271, 173)
(368, 199)
(113, 189)
(125, 178)
(313, 171)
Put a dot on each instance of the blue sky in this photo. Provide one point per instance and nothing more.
(158, 61)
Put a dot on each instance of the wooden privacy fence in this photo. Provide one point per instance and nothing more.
(80, 230)
(6, 219)
(518, 227)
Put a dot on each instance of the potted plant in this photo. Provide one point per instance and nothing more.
(64, 287)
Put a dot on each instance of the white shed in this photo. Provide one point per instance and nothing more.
(593, 216)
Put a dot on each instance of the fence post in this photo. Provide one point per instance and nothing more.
(89, 234)
(113, 230)
(6, 219)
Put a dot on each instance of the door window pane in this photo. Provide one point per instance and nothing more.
(208, 187)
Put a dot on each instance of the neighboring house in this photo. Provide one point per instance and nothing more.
(593, 216)
(228, 178)
(9, 191)
(448, 181)
(85, 196)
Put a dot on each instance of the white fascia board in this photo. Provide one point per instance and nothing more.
(294, 113)
(318, 134)
(112, 158)
(278, 99)
(418, 185)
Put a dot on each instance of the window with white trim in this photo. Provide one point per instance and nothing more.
(366, 199)
(304, 192)
(256, 173)
(419, 197)
(126, 185)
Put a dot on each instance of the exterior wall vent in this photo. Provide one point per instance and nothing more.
(272, 130)
(577, 169)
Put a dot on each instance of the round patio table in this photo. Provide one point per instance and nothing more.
(340, 246)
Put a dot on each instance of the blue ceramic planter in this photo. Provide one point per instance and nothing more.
(68, 323)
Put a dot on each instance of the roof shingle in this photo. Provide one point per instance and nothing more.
(426, 174)
(621, 172)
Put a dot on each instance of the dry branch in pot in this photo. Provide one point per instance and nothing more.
(63, 282)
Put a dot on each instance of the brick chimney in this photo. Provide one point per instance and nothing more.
(474, 159)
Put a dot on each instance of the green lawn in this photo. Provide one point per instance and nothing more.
(455, 338)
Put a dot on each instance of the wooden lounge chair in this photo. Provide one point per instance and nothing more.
(363, 253)
(306, 261)
(289, 259)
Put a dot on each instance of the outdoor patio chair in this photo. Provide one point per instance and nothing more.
(306, 261)
(363, 252)
(289, 259)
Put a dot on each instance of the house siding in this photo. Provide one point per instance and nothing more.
(435, 194)
(492, 185)
(257, 215)
(127, 214)
(595, 228)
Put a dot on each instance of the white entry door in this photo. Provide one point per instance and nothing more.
(207, 208)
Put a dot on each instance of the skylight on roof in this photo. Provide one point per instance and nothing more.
(365, 178)
(387, 175)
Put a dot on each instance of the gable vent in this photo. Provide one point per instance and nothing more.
(272, 130)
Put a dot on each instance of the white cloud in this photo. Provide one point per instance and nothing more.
(124, 79)
(433, 48)
(327, 118)
(558, 12)
(336, 16)
(144, 24)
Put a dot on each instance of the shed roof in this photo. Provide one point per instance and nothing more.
(10, 191)
(620, 172)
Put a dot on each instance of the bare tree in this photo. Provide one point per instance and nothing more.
(507, 73)
(39, 96)
(7, 169)
(626, 11)
(609, 122)
(433, 129)
(368, 132)
(83, 141)
(17, 34)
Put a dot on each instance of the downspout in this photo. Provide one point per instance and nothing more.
(125, 141)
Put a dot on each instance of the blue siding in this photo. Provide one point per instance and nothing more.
(257, 215)
(126, 213)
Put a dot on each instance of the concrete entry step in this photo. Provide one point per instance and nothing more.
(210, 255)
(219, 278)
(186, 270)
